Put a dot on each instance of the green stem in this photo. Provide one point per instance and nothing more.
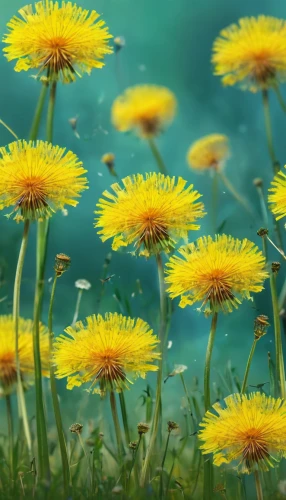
(162, 466)
(158, 402)
(208, 470)
(124, 418)
(259, 492)
(10, 432)
(43, 451)
(85, 454)
(244, 384)
(56, 406)
(189, 401)
(280, 98)
(9, 129)
(51, 111)
(16, 316)
(263, 206)
(272, 380)
(158, 158)
(78, 301)
(210, 345)
(133, 463)
(116, 424)
(268, 129)
(280, 370)
(214, 199)
(38, 112)
(235, 194)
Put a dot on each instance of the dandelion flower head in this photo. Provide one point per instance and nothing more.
(209, 152)
(218, 272)
(277, 195)
(252, 53)
(105, 351)
(144, 109)
(63, 39)
(248, 431)
(151, 211)
(37, 179)
(8, 371)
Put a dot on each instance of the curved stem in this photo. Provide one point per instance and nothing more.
(158, 403)
(10, 432)
(280, 370)
(16, 316)
(116, 424)
(280, 98)
(78, 301)
(268, 129)
(38, 112)
(235, 194)
(158, 158)
(208, 362)
(259, 492)
(56, 406)
(133, 463)
(85, 454)
(263, 206)
(244, 384)
(9, 129)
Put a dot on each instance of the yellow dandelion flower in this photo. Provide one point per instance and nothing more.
(277, 195)
(144, 109)
(208, 152)
(247, 430)
(252, 53)
(151, 211)
(65, 40)
(37, 178)
(105, 351)
(8, 372)
(218, 272)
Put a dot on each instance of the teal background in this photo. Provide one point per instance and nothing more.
(168, 42)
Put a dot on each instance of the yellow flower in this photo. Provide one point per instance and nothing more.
(252, 53)
(105, 350)
(37, 178)
(144, 109)
(65, 40)
(151, 212)
(249, 430)
(8, 373)
(218, 272)
(208, 152)
(277, 196)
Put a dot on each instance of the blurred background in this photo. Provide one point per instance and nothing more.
(168, 42)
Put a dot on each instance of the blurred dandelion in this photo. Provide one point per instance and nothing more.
(8, 371)
(252, 53)
(153, 212)
(65, 40)
(37, 179)
(73, 124)
(220, 272)
(145, 110)
(277, 195)
(108, 159)
(248, 430)
(105, 351)
(209, 152)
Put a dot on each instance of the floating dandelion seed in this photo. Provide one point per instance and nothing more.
(153, 212)
(249, 430)
(209, 152)
(106, 351)
(178, 369)
(37, 179)
(218, 272)
(144, 109)
(73, 124)
(108, 159)
(63, 39)
(252, 53)
(8, 372)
